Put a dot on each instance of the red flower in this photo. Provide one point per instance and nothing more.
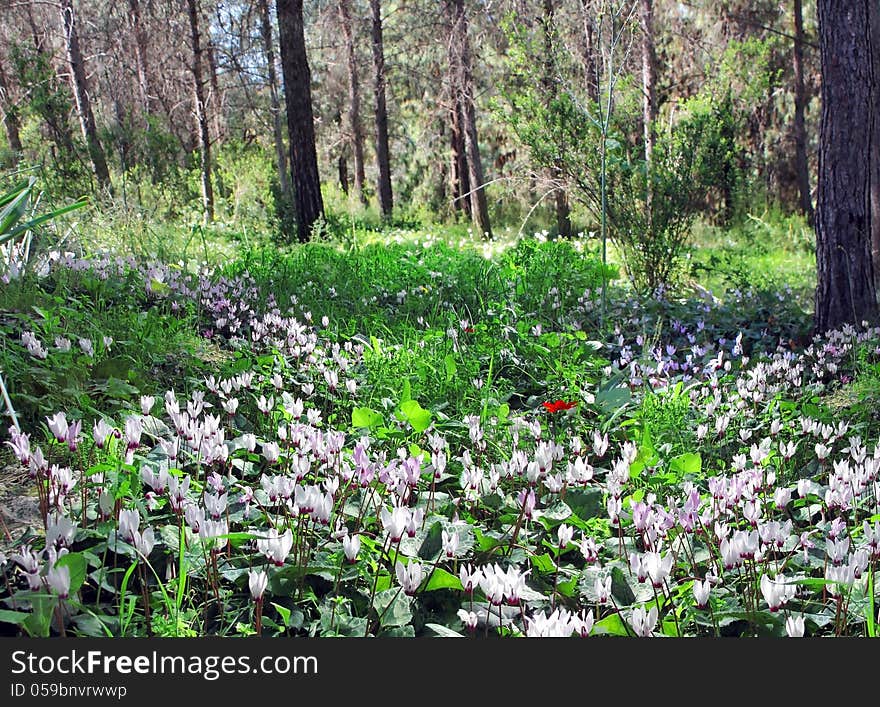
(559, 406)
(469, 330)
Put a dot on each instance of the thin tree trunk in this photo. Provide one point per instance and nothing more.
(649, 76)
(845, 289)
(802, 168)
(342, 168)
(383, 154)
(465, 88)
(216, 95)
(201, 110)
(308, 203)
(560, 198)
(649, 98)
(874, 148)
(140, 56)
(274, 105)
(460, 180)
(356, 133)
(589, 59)
(81, 94)
(10, 114)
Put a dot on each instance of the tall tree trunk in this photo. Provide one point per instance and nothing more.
(201, 110)
(649, 75)
(649, 98)
(845, 289)
(81, 94)
(383, 155)
(274, 105)
(10, 114)
(802, 168)
(874, 148)
(140, 56)
(589, 59)
(560, 198)
(342, 168)
(216, 95)
(356, 133)
(463, 74)
(461, 185)
(308, 203)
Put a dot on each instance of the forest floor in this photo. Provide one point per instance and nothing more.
(409, 436)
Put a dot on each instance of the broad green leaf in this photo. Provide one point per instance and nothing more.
(611, 626)
(13, 617)
(451, 368)
(441, 579)
(443, 631)
(77, 566)
(365, 417)
(687, 463)
(393, 607)
(418, 418)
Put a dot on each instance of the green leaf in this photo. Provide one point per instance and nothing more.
(283, 612)
(13, 617)
(611, 626)
(451, 368)
(585, 504)
(418, 418)
(443, 631)
(687, 463)
(441, 579)
(543, 563)
(392, 605)
(365, 417)
(77, 565)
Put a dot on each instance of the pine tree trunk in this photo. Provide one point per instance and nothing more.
(560, 198)
(383, 155)
(649, 76)
(356, 134)
(216, 97)
(649, 98)
(274, 105)
(10, 114)
(81, 95)
(140, 56)
(589, 59)
(201, 110)
(308, 203)
(845, 289)
(465, 86)
(802, 168)
(874, 149)
(460, 180)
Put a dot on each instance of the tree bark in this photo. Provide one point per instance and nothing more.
(216, 95)
(874, 149)
(590, 62)
(140, 56)
(10, 114)
(463, 73)
(649, 76)
(845, 291)
(79, 84)
(802, 168)
(356, 133)
(560, 198)
(274, 104)
(461, 185)
(201, 110)
(308, 203)
(383, 154)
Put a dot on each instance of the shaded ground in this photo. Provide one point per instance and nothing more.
(19, 508)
